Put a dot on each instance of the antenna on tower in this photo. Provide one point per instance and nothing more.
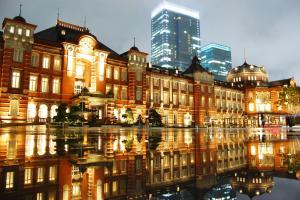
(84, 23)
(134, 41)
(245, 58)
(57, 14)
(20, 13)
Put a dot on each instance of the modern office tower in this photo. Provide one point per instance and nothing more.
(175, 36)
(217, 59)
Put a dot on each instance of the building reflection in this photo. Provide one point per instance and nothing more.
(38, 163)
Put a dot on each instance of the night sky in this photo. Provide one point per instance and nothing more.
(269, 30)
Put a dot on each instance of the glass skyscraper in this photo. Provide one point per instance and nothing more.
(217, 59)
(175, 36)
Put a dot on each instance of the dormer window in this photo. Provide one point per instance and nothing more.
(27, 32)
(20, 31)
(12, 29)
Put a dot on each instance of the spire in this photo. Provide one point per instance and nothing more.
(84, 23)
(245, 58)
(20, 13)
(134, 41)
(57, 14)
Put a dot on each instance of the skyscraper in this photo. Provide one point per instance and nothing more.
(175, 35)
(217, 59)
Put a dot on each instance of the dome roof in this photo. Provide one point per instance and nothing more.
(134, 48)
(247, 68)
(20, 19)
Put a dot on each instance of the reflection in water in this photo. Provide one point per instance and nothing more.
(106, 163)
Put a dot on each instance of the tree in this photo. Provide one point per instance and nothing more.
(289, 97)
(154, 118)
(62, 115)
(128, 116)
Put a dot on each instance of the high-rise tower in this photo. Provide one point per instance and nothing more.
(175, 35)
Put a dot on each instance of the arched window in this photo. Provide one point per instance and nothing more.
(43, 112)
(53, 112)
(31, 112)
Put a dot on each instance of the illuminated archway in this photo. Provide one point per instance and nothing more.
(31, 112)
(43, 111)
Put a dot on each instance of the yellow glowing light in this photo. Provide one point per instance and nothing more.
(253, 150)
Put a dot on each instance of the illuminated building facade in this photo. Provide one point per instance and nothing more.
(175, 36)
(217, 59)
(66, 63)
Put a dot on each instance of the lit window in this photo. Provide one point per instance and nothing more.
(52, 145)
(39, 196)
(14, 107)
(15, 80)
(139, 93)
(202, 101)
(29, 147)
(12, 29)
(18, 55)
(116, 92)
(46, 62)
(9, 180)
(40, 174)
(34, 59)
(28, 176)
(27, 32)
(124, 75)
(80, 70)
(124, 93)
(253, 150)
(52, 173)
(78, 87)
(108, 88)
(115, 186)
(116, 73)
(108, 72)
(106, 188)
(41, 144)
(11, 148)
(45, 87)
(138, 76)
(33, 83)
(20, 31)
(76, 189)
(57, 64)
(251, 107)
(56, 86)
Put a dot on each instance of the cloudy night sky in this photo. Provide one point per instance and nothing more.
(269, 30)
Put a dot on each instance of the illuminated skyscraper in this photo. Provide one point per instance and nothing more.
(175, 35)
(217, 59)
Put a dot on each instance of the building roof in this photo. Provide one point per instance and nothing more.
(195, 66)
(165, 5)
(72, 34)
(281, 82)
(20, 19)
(247, 68)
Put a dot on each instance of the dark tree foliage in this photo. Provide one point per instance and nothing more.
(154, 118)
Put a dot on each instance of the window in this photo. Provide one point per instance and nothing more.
(12, 29)
(139, 93)
(20, 31)
(9, 180)
(191, 101)
(116, 73)
(78, 87)
(56, 86)
(166, 161)
(175, 99)
(202, 88)
(11, 147)
(138, 165)
(175, 85)
(80, 70)
(41, 139)
(202, 101)
(33, 83)
(40, 174)
(114, 186)
(46, 62)
(108, 72)
(14, 107)
(166, 84)
(27, 32)
(191, 88)
(166, 98)
(124, 93)
(45, 87)
(183, 100)
(39, 196)
(15, 80)
(29, 145)
(138, 76)
(52, 173)
(28, 176)
(34, 59)
(123, 166)
(116, 92)
(108, 88)
(124, 75)
(209, 102)
(156, 97)
(57, 64)
(18, 55)
(106, 188)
